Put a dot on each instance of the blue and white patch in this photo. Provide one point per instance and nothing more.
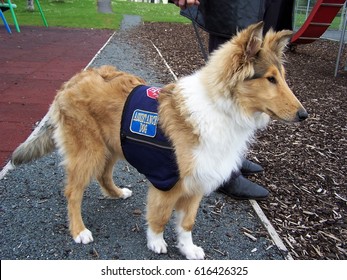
(144, 123)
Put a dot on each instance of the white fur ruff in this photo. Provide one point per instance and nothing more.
(224, 133)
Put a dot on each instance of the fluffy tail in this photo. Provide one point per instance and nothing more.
(39, 145)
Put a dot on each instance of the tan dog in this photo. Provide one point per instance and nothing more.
(209, 117)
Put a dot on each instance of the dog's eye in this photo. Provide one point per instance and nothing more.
(272, 79)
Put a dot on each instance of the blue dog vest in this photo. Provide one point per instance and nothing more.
(143, 142)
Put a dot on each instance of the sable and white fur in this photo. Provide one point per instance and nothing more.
(210, 117)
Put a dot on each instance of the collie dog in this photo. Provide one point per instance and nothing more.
(209, 118)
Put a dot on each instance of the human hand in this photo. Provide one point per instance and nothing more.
(183, 4)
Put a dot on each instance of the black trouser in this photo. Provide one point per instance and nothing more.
(278, 15)
(215, 41)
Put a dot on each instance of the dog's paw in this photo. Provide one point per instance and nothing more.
(186, 246)
(84, 237)
(156, 242)
(158, 246)
(126, 193)
(192, 252)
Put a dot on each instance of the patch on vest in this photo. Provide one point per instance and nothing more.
(144, 123)
(153, 92)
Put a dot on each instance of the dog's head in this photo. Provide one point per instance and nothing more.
(249, 69)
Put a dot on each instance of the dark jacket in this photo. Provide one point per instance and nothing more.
(225, 17)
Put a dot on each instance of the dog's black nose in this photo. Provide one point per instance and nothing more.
(302, 115)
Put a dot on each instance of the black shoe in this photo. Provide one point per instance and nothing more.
(242, 188)
(248, 167)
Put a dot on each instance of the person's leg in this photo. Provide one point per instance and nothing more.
(215, 41)
(286, 11)
(238, 187)
(278, 15)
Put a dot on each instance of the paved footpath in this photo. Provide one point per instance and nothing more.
(32, 204)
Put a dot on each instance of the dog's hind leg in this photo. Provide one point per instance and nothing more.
(106, 181)
(81, 166)
(159, 210)
(76, 185)
(186, 210)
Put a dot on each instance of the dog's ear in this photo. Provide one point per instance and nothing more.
(277, 41)
(255, 39)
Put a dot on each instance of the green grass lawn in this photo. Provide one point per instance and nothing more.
(300, 19)
(84, 14)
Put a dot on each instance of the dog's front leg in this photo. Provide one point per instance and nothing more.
(186, 210)
(159, 210)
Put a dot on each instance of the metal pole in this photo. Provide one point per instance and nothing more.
(342, 42)
(41, 12)
(295, 14)
(343, 12)
(307, 8)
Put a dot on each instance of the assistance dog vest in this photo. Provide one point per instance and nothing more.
(143, 142)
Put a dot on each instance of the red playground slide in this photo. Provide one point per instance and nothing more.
(320, 18)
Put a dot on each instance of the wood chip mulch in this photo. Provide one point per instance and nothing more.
(305, 164)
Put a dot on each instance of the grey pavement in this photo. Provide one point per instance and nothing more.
(34, 216)
(333, 35)
(104, 6)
